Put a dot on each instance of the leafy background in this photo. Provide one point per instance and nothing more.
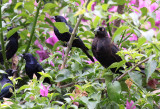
(84, 84)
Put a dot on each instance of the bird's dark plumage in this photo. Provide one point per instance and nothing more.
(5, 92)
(11, 47)
(66, 36)
(104, 50)
(33, 67)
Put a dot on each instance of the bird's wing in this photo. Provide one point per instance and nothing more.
(5, 92)
(39, 68)
(115, 49)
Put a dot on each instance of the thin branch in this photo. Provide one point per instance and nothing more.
(71, 84)
(132, 68)
(33, 27)
(2, 40)
(72, 38)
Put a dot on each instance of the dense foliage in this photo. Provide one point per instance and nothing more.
(82, 83)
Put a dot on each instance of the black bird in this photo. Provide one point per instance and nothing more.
(5, 92)
(66, 36)
(33, 67)
(104, 50)
(11, 47)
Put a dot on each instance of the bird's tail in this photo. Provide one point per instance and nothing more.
(88, 55)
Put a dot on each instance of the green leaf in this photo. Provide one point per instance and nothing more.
(29, 6)
(7, 84)
(158, 36)
(49, 6)
(61, 26)
(23, 88)
(11, 32)
(152, 21)
(148, 34)
(119, 31)
(134, 17)
(114, 90)
(136, 77)
(96, 21)
(89, 6)
(57, 45)
(105, 7)
(49, 21)
(17, 5)
(144, 11)
(141, 41)
(150, 68)
(63, 75)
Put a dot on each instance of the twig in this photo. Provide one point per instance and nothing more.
(71, 84)
(72, 38)
(33, 27)
(132, 68)
(2, 40)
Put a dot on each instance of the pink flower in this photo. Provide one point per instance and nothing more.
(129, 105)
(44, 90)
(38, 44)
(82, 2)
(52, 40)
(93, 6)
(10, 1)
(75, 103)
(134, 37)
(113, 9)
(90, 62)
(43, 54)
(35, 3)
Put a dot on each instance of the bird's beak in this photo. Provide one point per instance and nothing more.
(53, 17)
(21, 55)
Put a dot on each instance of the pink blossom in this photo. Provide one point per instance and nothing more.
(44, 90)
(153, 7)
(35, 3)
(113, 9)
(93, 6)
(134, 37)
(10, 1)
(38, 44)
(129, 105)
(43, 54)
(84, 20)
(75, 103)
(82, 2)
(90, 62)
(52, 40)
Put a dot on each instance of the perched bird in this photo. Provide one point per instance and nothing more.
(5, 92)
(104, 50)
(66, 36)
(11, 47)
(33, 67)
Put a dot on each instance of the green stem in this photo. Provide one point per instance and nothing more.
(33, 28)
(122, 38)
(2, 40)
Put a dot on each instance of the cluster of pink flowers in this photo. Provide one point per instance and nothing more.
(43, 54)
(44, 90)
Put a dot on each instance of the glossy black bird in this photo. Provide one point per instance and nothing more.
(33, 67)
(11, 47)
(5, 92)
(104, 50)
(66, 36)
